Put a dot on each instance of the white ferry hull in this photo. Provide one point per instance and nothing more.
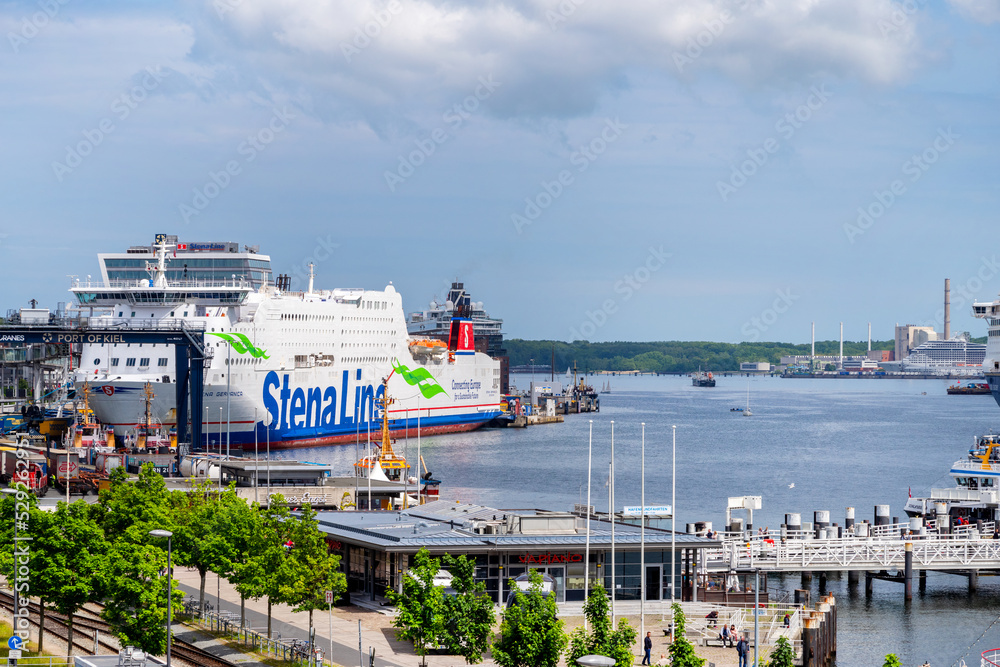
(303, 411)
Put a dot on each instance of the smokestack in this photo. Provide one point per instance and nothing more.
(947, 308)
(869, 336)
(812, 354)
(841, 345)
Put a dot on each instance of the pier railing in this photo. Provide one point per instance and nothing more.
(950, 552)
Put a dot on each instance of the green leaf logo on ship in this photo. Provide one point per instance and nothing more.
(242, 344)
(420, 377)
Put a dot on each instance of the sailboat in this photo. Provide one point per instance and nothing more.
(746, 410)
(606, 388)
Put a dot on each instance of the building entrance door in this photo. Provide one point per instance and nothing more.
(654, 578)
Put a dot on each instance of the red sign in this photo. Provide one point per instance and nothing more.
(465, 339)
(108, 389)
(182, 246)
(547, 559)
(335, 544)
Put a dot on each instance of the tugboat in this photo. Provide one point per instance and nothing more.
(970, 388)
(703, 379)
(388, 466)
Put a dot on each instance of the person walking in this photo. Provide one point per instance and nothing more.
(647, 645)
(742, 649)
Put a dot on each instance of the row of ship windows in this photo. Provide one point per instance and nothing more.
(130, 361)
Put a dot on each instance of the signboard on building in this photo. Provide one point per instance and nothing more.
(651, 510)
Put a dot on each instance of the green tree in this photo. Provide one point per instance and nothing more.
(264, 575)
(681, 651)
(530, 633)
(420, 607)
(470, 613)
(128, 511)
(602, 638)
(783, 655)
(310, 570)
(32, 524)
(136, 605)
(197, 542)
(74, 551)
(891, 661)
(238, 527)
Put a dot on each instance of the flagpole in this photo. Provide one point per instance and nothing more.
(586, 558)
(642, 539)
(673, 527)
(611, 512)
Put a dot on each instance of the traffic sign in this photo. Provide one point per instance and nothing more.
(14, 654)
(329, 597)
(15, 643)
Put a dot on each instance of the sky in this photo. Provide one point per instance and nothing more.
(726, 170)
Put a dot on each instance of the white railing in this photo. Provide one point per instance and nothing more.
(963, 551)
(991, 658)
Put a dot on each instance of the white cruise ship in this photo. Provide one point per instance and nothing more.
(307, 365)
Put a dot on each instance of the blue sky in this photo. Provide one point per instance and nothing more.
(715, 170)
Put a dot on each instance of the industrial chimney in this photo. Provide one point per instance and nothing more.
(947, 308)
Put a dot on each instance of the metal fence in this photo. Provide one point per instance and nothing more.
(40, 661)
(227, 623)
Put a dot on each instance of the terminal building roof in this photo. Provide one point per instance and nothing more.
(441, 526)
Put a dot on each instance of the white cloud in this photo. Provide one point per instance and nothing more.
(984, 11)
(557, 58)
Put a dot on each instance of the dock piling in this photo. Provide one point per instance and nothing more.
(908, 571)
(881, 515)
(821, 519)
(973, 580)
(869, 584)
(849, 519)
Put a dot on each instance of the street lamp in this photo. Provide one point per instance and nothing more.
(167, 534)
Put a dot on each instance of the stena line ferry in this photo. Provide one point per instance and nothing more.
(299, 368)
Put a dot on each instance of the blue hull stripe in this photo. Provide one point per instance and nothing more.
(246, 437)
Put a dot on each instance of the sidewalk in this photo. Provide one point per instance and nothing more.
(375, 628)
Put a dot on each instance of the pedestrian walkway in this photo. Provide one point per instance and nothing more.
(389, 652)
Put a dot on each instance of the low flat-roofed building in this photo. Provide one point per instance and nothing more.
(376, 548)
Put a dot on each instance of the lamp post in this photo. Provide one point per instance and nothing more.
(167, 534)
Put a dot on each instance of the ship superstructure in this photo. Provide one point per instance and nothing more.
(296, 368)
(435, 323)
(991, 362)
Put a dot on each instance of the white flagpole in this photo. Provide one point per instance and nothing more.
(642, 540)
(611, 511)
(586, 558)
(673, 526)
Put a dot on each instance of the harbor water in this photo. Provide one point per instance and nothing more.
(810, 445)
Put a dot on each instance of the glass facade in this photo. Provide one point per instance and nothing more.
(184, 267)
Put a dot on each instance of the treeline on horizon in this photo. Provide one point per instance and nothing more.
(669, 356)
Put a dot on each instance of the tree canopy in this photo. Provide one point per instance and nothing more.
(530, 634)
(602, 639)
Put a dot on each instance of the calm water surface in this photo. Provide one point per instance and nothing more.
(842, 443)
